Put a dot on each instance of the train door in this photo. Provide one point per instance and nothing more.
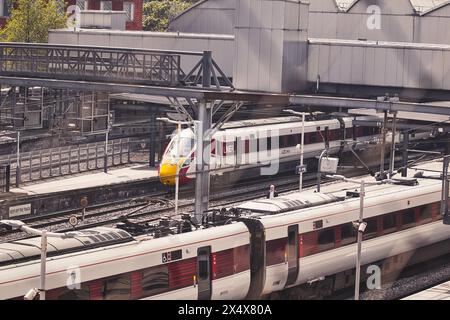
(293, 262)
(257, 257)
(204, 273)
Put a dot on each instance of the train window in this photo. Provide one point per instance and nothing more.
(408, 219)
(389, 224)
(325, 239)
(264, 144)
(426, 214)
(246, 146)
(312, 137)
(203, 265)
(349, 133)
(117, 288)
(275, 251)
(308, 243)
(283, 142)
(81, 293)
(293, 140)
(348, 234)
(155, 280)
(371, 229)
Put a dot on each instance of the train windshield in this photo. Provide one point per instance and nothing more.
(186, 144)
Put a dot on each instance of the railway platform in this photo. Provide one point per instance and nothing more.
(439, 292)
(91, 180)
(66, 192)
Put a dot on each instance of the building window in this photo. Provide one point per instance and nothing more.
(106, 5)
(128, 7)
(82, 4)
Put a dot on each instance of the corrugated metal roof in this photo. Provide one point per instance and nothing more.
(345, 5)
(420, 6)
(425, 6)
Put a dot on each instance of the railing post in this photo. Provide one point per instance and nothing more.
(40, 164)
(129, 150)
(70, 159)
(87, 157)
(121, 151)
(50, 162)
(78, 158)
(30, 176)
(112, 153)
(7, 177)
(18, 177)
(60, 162)
(96, 155)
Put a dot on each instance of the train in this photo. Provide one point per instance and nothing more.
(240, 148)
(297, 245)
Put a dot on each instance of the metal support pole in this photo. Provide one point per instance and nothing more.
(18, 173)
(60, 161)
(43, 264)
(30, 163)
(394, 133)
(96, 155)
(405, 153)
(445, 190)
(319, 174)
(105, 164)
(177, 175)
(207, 68)
(151, 148)
(383, 144)
(360, 234)
(302, 150)
(202, 165)
(129, 151)
(40, 164)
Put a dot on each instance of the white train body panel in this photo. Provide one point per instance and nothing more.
(16, 280)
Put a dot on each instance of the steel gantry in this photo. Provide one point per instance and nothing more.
(205, 87)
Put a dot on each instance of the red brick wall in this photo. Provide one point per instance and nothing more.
(2, 21)
(137, 23)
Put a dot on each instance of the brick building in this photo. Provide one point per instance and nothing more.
(132, 7)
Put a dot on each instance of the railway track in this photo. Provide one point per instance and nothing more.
(161, 204)
(111, 214)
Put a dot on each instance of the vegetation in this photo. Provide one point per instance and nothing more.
(158, 13)
(30, 21)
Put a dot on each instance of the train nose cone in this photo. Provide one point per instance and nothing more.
(167, 173)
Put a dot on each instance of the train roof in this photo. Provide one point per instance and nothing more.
(425, 188)
(29, 249)
(289, 202)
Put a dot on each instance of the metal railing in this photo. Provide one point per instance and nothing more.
(49, 163)
(119, 65)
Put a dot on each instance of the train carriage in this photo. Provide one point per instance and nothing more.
(206, 264)
(241, 148)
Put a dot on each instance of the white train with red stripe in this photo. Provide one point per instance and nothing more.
(240, 148)
(295, 245)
